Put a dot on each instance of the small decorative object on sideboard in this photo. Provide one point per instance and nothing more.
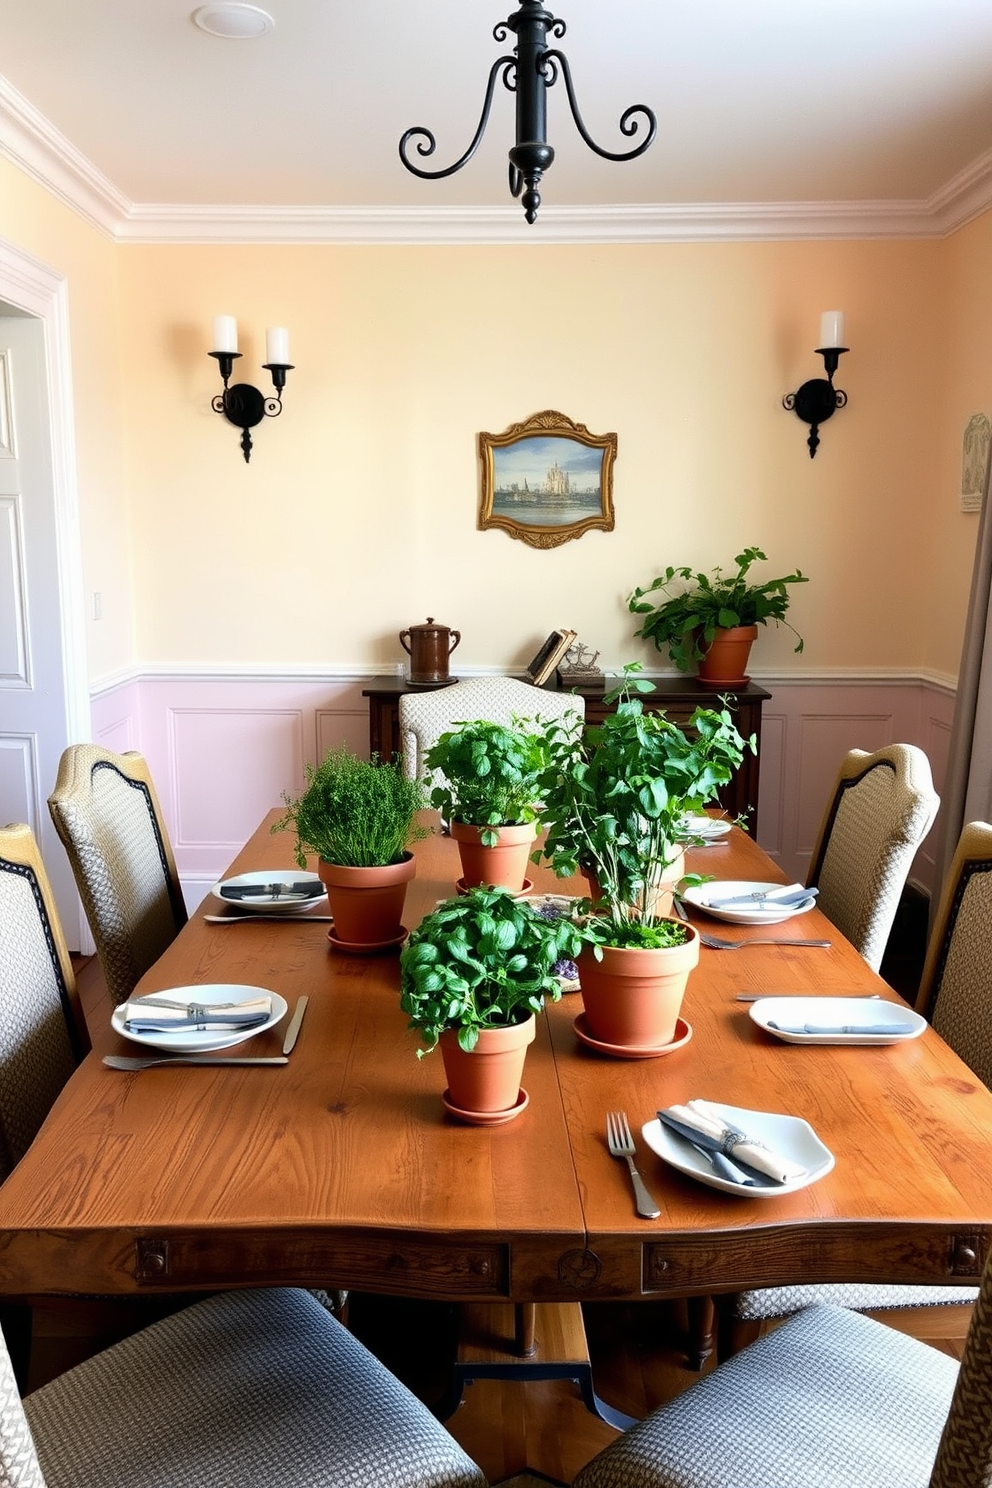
(714, 620)
(579, 669)
(428, 647)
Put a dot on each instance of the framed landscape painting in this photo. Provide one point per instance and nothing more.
(547, 480)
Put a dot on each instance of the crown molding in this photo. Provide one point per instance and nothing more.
(37, 148)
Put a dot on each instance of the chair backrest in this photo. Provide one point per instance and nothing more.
(955, 992)
(883, 805)
(425, 716)
(108, 816)
(42, 1031)
(964, 1457)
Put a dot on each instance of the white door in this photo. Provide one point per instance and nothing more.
(34, 725)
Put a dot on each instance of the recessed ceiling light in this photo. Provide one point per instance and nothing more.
(233, 21)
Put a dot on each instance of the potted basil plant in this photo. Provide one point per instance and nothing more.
(488, 793)
(712, 618)
(614, 801)
(473, 976)
(358, 817)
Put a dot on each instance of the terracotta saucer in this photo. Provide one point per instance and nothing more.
(488, 1118)
(359, 948)
(517, 893)
(683, 1033)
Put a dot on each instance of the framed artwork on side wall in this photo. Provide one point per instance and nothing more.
(547, 480)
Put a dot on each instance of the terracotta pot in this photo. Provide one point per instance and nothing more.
(367, 903)
(725, 662)
(633, 997)
(664, 900)
(503, 866)
(488, 1079)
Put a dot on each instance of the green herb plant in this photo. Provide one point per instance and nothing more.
(685, 621)
(614, 799)
(482, 960)
(354, 812)
(491, 774)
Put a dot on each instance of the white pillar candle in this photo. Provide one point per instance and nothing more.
(831, 328)
(225, 333)
(277, 346)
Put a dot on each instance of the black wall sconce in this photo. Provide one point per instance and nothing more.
(529, 73)
(243, 405)
(818, 399)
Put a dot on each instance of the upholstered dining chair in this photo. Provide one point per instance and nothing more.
(882, 806)
(425, 716)
(42, 1032)
(108, 816)
(254, 1387)
(830, 1400)
(954, 997)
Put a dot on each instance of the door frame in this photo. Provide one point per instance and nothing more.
(33, 287)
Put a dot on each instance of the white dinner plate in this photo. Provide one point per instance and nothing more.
(835, 1014)
(788, 1135)
(710, 828)
(270, 903)
(744, 914)
(192, 1041)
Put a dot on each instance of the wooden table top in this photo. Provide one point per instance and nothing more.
(343, 1168)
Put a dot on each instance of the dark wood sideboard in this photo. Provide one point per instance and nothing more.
(678, 697)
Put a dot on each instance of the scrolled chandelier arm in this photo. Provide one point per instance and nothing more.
(427, 143)
(529, 74)
(631, 119)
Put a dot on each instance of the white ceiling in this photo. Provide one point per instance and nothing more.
(787, 112)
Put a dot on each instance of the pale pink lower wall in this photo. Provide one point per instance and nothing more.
(222, 752)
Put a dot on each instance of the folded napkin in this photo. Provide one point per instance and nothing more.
(308, 889)
(890, 1030)
(159, 1015)
(704, 1118)
(774, 897)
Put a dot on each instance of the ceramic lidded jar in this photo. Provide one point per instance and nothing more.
(428, 647)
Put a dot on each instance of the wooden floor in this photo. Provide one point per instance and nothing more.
(636, 1352)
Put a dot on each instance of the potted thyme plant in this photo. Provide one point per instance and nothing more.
(712, 618)
(614, 801)
(473, 975)
(358, 816)
(489, 793)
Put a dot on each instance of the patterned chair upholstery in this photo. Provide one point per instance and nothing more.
(882, 807)
(246, 1388)
(425, 716)
(108, 816)
(829, 1400)
(42, 1032)
(954, 997)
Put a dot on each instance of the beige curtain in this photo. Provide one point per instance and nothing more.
(967, 794)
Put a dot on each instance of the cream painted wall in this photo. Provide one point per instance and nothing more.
(39, 224)
(357, 515)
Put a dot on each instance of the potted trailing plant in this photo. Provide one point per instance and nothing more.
(614, 801)
(472, 977)
(358, 817)
(713, 618)
(488, 793)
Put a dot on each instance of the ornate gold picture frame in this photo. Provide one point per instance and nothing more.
(547, 480)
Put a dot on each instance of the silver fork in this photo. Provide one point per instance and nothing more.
(127, 1062)
(716, 943)
(621, 1144)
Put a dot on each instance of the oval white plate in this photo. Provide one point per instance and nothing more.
(743, 914)
(821, 1012)
(270, 903)
(789, 1135)
(190, 1041)
(707, 827)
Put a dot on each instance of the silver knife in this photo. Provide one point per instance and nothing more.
(294, 1025)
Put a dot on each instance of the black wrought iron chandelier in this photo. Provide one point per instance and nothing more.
(530, 72)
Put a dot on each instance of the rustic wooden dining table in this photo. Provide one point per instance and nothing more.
(343, 1168)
